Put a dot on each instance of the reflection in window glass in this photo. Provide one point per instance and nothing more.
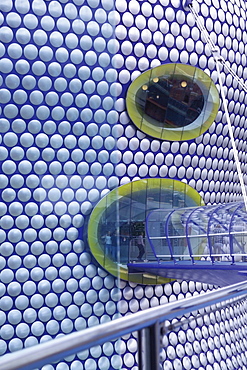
(173, 102)
(119, 226)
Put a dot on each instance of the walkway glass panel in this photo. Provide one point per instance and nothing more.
(213, 233)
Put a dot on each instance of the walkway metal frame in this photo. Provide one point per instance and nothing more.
(213, 216)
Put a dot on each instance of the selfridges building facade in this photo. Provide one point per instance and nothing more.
(67, 140)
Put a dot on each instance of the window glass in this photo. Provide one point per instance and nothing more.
(173, 102)
(120, 225)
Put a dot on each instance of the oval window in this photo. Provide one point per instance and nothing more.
(120, 219)
(173, 102)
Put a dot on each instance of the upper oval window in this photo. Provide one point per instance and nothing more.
(173, 102)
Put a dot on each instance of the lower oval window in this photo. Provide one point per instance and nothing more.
(173, 102)
(118, 225)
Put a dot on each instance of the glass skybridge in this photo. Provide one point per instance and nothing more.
(215, 233)
(152, 230)
(206, 243)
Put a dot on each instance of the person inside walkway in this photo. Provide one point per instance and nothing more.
(140, 245)
(108, 243)
(115, 246)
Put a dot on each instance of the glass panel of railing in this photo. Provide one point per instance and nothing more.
(158, 246)
(239, 242)
(196, 229)
(216, 231)
(159, 249)
(178, 240)
(199, 246)
(197, 224)
(155, 223)
(180, 249)
(226, 256)
(216, 243)
(223, 217)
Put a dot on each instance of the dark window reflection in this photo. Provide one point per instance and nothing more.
(173, 101)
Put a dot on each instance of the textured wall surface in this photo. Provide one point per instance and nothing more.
(66, 140)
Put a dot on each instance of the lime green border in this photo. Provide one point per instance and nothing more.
(191, 131)
(151, 183)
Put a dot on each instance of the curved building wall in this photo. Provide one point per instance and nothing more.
(66, 140)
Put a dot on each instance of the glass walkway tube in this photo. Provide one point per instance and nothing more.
(214, 233)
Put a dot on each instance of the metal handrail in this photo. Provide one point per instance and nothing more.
(59, 348)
